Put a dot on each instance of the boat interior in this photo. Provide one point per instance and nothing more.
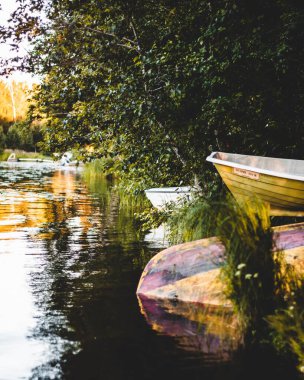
(279, 165)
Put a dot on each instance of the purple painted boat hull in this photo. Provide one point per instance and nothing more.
(189, 272)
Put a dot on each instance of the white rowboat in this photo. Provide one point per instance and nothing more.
(161, 196)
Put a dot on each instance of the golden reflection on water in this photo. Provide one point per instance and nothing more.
(67, 282)
(26, 207)
(31, 208)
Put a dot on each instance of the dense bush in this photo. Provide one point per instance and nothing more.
(22, 136)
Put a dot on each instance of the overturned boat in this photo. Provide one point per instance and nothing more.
(278, 182)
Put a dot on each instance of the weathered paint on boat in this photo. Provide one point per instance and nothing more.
(277, 182)
(189, 272)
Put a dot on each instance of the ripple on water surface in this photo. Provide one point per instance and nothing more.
(70, 261)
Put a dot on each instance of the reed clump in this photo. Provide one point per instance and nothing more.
(287, 323)
(253, 274)
(100, 167)
(192, 221)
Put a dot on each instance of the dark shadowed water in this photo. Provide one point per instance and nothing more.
(70, 261)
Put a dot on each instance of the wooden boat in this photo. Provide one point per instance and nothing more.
(182, 294)
(190, 272)
(276, 181)
(161, 196)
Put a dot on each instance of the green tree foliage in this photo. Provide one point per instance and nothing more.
(158, 85)
(23, 136)
(2, 139)
(13, 139)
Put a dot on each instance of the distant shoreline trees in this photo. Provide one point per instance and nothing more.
(16, 132)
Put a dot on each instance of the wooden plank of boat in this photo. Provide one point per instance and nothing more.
(161, 196)
(276, 181)
(189, 272)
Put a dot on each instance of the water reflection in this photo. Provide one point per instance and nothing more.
(67, 253)
(29, 201)
(70, 261)
(17, 303)
(200, 328)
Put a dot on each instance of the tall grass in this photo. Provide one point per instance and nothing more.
(192, 220)
(288, 322)
(253, 271)
(99, 167)
(99, 177)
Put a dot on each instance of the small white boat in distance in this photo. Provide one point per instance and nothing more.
(12, 158)
(161, 196)
(278, 182)
(67, 160)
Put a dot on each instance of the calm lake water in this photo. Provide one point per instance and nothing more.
(70, 260)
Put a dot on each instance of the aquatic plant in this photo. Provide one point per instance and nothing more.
(100, 167)
(253, 274)
(288, 322)
(110, 191)
(192, 221)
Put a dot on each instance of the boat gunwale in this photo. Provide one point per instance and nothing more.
(253, 169)
(160, 191)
